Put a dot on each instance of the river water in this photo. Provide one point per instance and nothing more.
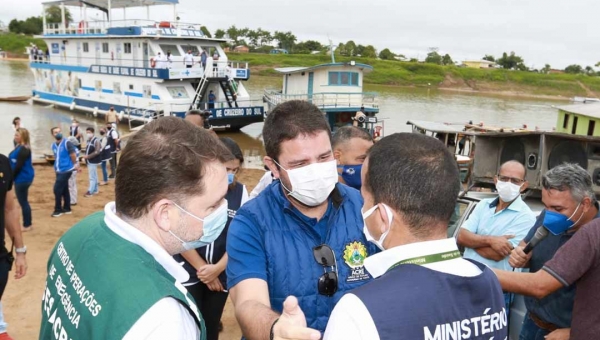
(397, 105)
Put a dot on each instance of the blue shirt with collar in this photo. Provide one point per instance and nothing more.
(271, 240)
(516, 220)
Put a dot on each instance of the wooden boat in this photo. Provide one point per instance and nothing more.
(15, 99)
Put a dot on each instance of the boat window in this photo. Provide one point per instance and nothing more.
(177, 92)
(127, 48)
(193, 48)
(574, 127)
(86, 47)
(131, 86)
(173, 48)
(343, 78)
(105, 47)
(98, 86)
(147, 91)
(591, 127)
(117, 88)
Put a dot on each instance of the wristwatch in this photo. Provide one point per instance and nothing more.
(21, 250)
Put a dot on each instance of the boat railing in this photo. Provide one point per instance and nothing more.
(101, 26)
(224, 104)
(327, 99)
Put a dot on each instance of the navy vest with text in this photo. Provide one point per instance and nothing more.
(90, 149)
(413, 302)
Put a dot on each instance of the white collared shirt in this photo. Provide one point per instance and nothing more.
(167, 318)
(351, 319)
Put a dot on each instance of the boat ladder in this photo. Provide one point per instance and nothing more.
(229, 88)
(199, 92)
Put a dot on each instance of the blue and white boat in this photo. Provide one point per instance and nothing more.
(94, 64)
(336, 88)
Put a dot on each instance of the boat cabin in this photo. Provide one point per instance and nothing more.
(579, 119)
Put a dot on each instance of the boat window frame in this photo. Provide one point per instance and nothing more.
(125, 50)
(85, 47)
(107, 49)
(349, 75)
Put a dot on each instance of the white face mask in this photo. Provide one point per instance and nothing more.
(312, 184)
(507, 191)
(90, 135)
(370, 238)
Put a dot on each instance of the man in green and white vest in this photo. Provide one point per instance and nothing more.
(112, 275)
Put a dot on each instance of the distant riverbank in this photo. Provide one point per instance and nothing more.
(462, 79)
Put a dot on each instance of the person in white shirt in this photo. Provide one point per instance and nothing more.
(170, 197)
(188, 59)
(160, 60)
(423, 289)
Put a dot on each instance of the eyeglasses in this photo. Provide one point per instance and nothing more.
(328, 282)
(516, 181)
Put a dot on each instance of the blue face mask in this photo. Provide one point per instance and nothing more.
(351, 175)
(213, 225)
(230, 178)
(58, 136)
(558, 223)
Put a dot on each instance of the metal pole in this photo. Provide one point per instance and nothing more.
(62, 16)
(109, 14)
(44, 18)
(85, 23)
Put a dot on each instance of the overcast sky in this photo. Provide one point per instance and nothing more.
(557, 32)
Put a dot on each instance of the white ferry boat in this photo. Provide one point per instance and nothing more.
(336, 88)
(92, 65)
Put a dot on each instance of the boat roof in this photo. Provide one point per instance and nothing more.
(287, 70)
(439, 127)
(113, 3)
(591, 109)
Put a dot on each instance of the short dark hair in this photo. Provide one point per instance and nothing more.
(234, 148)
(416, 176)
(90, 129)
(53, 128)
(346, 133)
(15, 120)
(165, 159)
(290, 119)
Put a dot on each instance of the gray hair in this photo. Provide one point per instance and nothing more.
(346, 133)
(571, 177)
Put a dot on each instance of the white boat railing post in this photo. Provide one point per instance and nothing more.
(63, 18)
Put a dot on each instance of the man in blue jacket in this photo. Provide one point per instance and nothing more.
(301, 237)
(65, 162)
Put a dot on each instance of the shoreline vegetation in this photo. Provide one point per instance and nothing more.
(448, 78)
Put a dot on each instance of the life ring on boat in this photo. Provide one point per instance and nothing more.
(345, 117)
(165, 24)
(82, 26)
(152, 63)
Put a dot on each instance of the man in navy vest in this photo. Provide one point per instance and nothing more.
(423, 289)
(93, 157)
(302, 236)
(65, 162)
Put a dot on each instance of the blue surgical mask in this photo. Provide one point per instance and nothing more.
(58, 136)
(230, 178)
(351, 175)
(558, 223)
(213, 225)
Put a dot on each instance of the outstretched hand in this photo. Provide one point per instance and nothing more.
(292, 323)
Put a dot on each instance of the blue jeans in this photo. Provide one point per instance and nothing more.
(93, 174)
(530, 331)
(22, 190)
(104, 172)
(61, 192)
(3, 323)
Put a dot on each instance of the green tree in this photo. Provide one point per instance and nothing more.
(53, 15)
(433, 57)
(589, 70)
(253, 36)
(219, 34)
(30, 26)
(233, 34)
(205, 31)
(386, 54)
(359, 50)
(546, 69)
(369, 52)
(413, 60)
(511, 62)
(265, 36)
(574, 69)
(351, 49)
(15, 26)
(341, 49)
(489, 58)
(286, 39)
(446, 60)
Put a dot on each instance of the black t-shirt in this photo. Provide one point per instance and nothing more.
(6, 184)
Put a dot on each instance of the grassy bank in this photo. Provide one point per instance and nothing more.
(418, 74)
(16, 43)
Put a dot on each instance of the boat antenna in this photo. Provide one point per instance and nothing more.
(331, 49)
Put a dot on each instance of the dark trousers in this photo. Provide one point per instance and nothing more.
(22, 191)
(4, 269)
(530, 331)
(113, 164)
(188, 66)
(61, 191)
(211, 305)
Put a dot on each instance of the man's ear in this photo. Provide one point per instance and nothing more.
(337, 154)
(270, 163)
(587, 204)
(384, 217)
(161, 214)
(524, 186)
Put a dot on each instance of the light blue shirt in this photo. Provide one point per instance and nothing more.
(517, 219)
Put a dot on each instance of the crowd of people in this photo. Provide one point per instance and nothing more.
(343, 238)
